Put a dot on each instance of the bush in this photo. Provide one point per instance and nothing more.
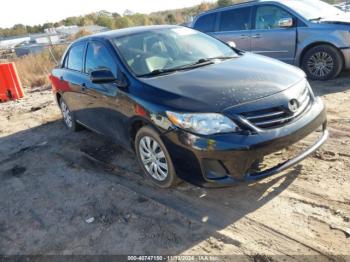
(34, 69)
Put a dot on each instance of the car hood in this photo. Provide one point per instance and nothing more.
(221, 85)
(344, 20)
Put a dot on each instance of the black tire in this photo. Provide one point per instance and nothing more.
(171, 179)
(72, 125)
(327, 55)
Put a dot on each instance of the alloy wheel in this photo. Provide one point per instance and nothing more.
(153, 158)
(320, 64)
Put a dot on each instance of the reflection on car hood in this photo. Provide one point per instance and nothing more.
(221, 85)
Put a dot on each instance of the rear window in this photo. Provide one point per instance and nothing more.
(235, 19)
(75, 58)
(206, 23)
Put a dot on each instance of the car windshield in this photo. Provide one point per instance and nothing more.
(313, 9)
(167, 49)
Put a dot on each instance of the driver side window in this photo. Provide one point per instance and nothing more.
(268, 17)
(98, 57)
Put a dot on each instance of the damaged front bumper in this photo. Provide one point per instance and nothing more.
(227, 159)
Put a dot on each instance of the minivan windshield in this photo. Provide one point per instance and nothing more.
(157, 51)
(313, 9)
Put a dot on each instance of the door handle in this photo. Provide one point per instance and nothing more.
(242, 36)
(256, 36)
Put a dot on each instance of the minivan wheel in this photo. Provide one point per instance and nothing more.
(322, 62)
(154, 158)
(68, 117)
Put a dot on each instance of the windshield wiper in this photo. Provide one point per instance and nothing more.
(159, 72)
(200, 62)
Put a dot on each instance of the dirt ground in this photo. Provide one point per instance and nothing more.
(53, 183)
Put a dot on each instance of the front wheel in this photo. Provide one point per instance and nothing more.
(322, 62)
(154, 158)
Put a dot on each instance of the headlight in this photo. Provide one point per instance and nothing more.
(203, 123)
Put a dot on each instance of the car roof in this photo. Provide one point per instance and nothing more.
(248, 3)
(124, 32)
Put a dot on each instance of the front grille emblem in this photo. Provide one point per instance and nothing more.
(293, 105)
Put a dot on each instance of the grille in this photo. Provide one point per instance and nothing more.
(278, 116)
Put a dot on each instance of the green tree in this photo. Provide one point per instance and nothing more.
(105, 21)
(170, 19)
(19, 29)
(122, 22)
(71, 21)
(47, 25)
(221, 3)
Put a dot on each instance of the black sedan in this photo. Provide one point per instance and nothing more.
(190, 106)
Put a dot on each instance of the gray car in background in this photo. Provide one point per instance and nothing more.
(310, 34)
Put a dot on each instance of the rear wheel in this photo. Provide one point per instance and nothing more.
(322, 62)
(68, 116)
(154, 158)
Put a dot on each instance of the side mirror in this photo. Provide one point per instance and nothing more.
(231, 44)
(285, 22)
(102, 76)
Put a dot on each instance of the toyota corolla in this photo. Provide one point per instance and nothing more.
(190, 106)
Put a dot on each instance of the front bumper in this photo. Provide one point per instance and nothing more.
(226, 159)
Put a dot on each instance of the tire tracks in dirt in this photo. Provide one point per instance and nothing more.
(194, 209)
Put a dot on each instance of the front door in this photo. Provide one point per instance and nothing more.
(104, 111)
(234, 25)
(269, 38)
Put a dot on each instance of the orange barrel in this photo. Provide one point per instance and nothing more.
(10, 85)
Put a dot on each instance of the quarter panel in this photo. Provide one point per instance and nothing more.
(324, 35)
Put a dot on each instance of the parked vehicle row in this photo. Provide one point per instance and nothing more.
(310, 34)
(189, 105)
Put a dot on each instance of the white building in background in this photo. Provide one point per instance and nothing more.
(71, 30)
(11, 42)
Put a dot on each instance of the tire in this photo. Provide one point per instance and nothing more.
(322, 62)
(154, 158)
(68, 117)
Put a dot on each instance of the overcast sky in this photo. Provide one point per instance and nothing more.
(31, 12)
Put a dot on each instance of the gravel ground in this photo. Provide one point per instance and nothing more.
(58, 197)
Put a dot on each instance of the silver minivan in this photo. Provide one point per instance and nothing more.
(310, 34)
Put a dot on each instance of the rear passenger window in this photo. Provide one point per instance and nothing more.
(206, 23)
(235, 19)
(75, 58)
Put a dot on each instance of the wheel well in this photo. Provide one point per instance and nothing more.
(135, 127)
(307, 48)
(58, 97)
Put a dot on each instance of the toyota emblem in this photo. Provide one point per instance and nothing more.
(293, 105)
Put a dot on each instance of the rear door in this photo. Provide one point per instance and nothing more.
(71, 78)
(206, 23)
(234, 25)
(268, 38)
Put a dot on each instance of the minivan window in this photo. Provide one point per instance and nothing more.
(206, 23)
(267, 17)
(75, 57)
(235, 19)
(98, 57)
